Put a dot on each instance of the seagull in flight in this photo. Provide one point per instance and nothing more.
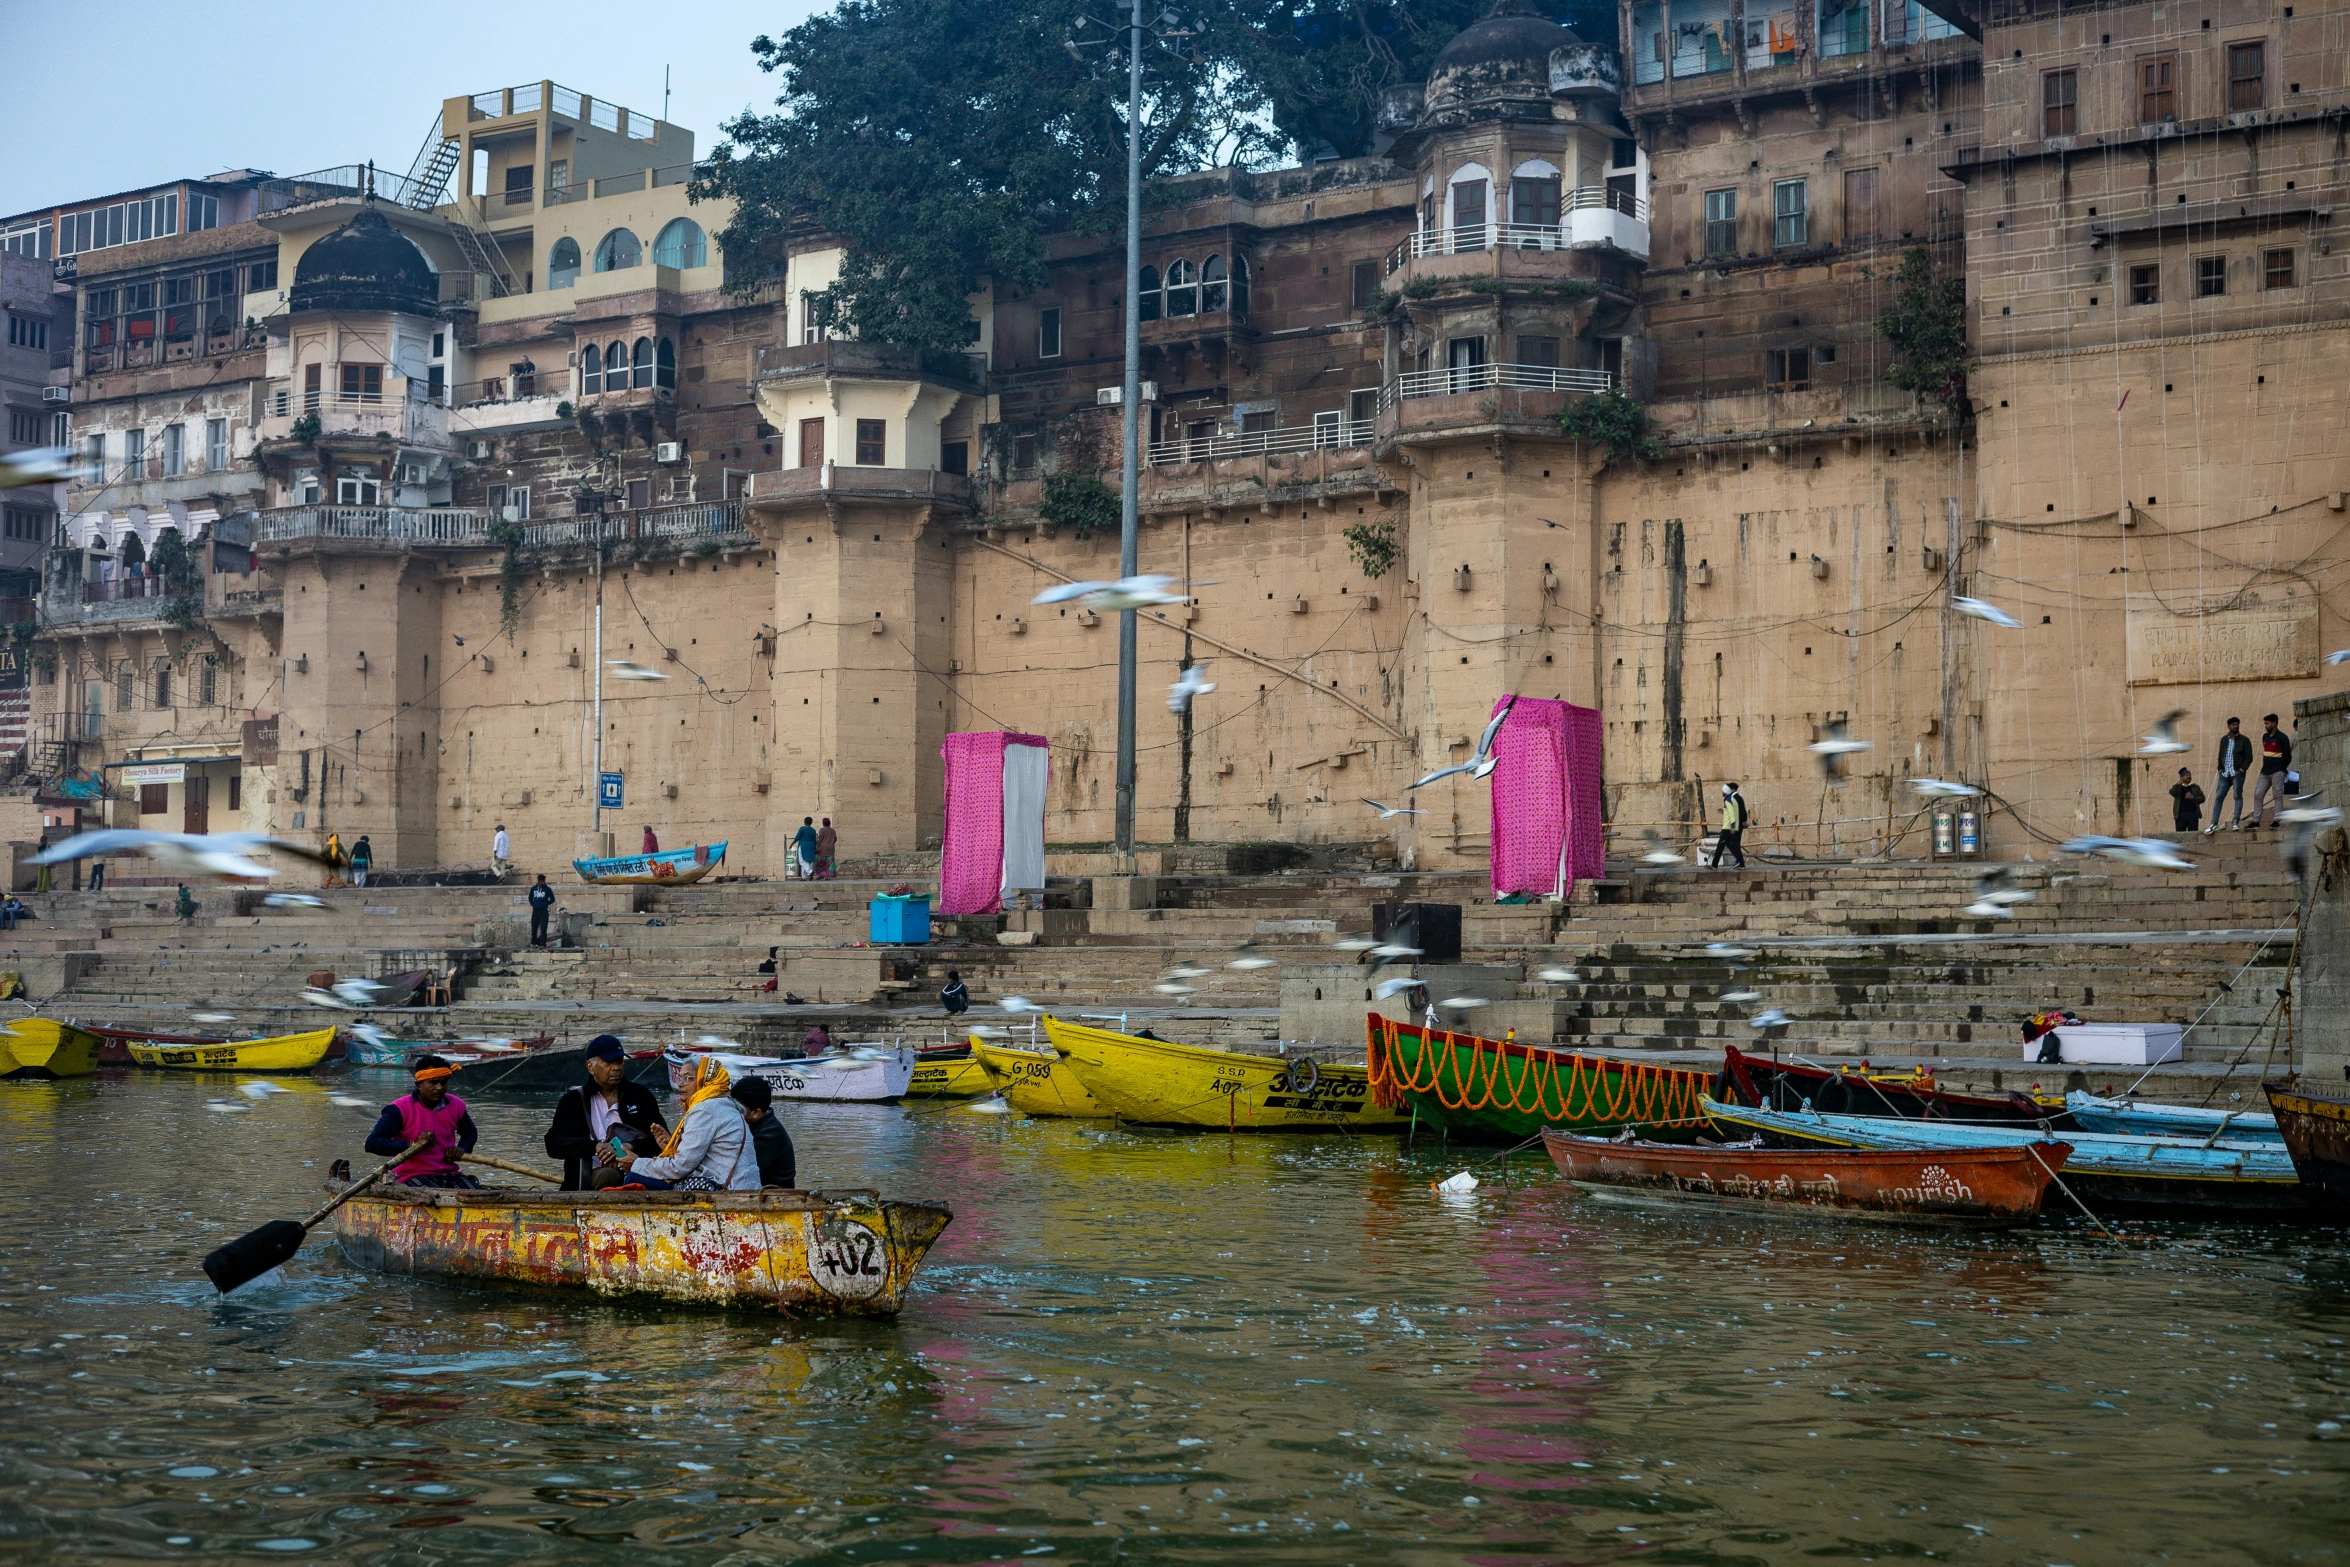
(1943, 789)
(630, 669)
(2306, 821)
(1391, 987)
(2165, 741)
(1188, 685)
(1482, 761)
(2339, 656)
(1387, 811)
(48, 465)
(1659, 852)
(1833, 746)
(1772, 1018)
(2155, 853)
(1978, 609)
(1249, 957)
(220, 854)
(1997, 889)
(1124, 594)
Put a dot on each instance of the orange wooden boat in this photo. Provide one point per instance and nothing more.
(1963, 1188)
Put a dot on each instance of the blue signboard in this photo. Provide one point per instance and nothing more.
(610, 796)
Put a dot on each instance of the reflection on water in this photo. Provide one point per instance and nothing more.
(1148, 1349)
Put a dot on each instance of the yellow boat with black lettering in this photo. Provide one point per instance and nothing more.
(1037, 1081)
(1159, 1083)
(280, 1053)
(958, 1077)
(44, 1047)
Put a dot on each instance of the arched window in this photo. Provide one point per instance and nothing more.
(1469, 207)
(591, 369)
(616, 367)
(1534, 194)
(1239, 286)
(563, 263)
(1182, 292)
(680, 244)
(1146, 293)
(1211, 285)
(644, 362)
(618, 251)
(665, 363)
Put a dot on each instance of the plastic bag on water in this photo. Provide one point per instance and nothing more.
(1455, 1185)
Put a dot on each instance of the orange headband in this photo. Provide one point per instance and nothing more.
(433, 1074)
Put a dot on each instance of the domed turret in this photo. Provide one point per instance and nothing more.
(366, 265)
(1507, 55)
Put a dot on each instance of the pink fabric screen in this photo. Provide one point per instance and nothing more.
(971, 864)
(1546, 827)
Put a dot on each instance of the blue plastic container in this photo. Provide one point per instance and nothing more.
(900, 922)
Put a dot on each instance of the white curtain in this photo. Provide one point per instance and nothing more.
(1024, 785)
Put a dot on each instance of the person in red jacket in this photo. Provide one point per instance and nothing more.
(652, 844)
(2276, 760)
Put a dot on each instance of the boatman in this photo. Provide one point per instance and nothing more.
(603, 1120)
(431, 1112)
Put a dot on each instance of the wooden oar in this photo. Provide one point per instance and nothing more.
(254, 1253)
(511, 1169)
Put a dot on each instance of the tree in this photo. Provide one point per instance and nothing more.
(1926, 325)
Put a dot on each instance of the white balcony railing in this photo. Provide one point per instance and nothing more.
(451, 525)
(1582, 205)
(1323, 435)
(1487, 377)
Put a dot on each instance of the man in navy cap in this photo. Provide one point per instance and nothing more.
(600, 1121)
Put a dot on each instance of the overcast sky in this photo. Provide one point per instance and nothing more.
(195, 88)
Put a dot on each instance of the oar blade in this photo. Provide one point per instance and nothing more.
(254, 1253)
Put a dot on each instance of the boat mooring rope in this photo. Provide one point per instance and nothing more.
(1482, 1077)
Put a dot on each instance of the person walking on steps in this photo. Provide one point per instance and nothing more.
(2276, 762)
(362, 861)
(1732, 840)
(501, 853)
(542, 903)
(2186, 811)
(97, 875)
(652, 844)
(827, 847)
(2235, 761)
(803, 849)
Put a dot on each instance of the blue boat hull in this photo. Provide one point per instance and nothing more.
(672, 867)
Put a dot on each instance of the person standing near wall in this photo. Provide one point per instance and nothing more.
(827, 847)
(2186, 813)
(652, 844)
(542, 903)
(2235, 760)
(362, 861)
(2276, 761)
(1732, 840)
(501, 853)
(803, 849)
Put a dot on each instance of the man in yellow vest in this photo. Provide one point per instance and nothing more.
(1733, 827)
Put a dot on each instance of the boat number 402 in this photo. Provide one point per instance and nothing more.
(846, 1257)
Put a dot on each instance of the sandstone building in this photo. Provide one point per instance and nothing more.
(489, 422)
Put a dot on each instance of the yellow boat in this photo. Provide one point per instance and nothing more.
(964, 1079)
(1158, 1083)
(43, 1047)
(283, 1053)
(1036, 1082)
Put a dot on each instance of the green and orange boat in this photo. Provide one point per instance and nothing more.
(1494, 1090)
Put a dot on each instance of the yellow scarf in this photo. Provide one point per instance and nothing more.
(709, 1082)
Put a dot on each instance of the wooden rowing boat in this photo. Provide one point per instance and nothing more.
(34, 1047)
(671, 868)
(2089, 1113)
(2104, 1168)
(1856, 1088)
(2316, 1133)
(1158, 1083)
(1498, 1090)
(1036, 1081)
(280, 1053)
(835, 1253)
(114, 1044)
(457, 1052)
(1973, 1188)
(963, 1078)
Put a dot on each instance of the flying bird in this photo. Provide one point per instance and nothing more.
(1124, 594)
(1249, 958)
(1832, 747)
(1740, 995)
(2154, 853)
(358, 992)
(629, 669)
(1390, 951)
(47, 465)
(1386, 811)
(1998, 885)
(1982, 910)
(2339, 656)
(991, 1105)
(1171, 988)
(1979, 610)
(2165, 741)
(1727, 949)
(1188, 685)
(1017, 1004)
(1559, 976)
(1659, 852)
(1461, 1003)
(260, 1090)
(1187, 971)
(220, 854)
(212, 1017)
(1943, 789)
(1391, 987)
(368, 1034)
(1482, 761)
(293, 900)
(1771, 1018)
(1356, 941)
(349, 1103)
(2306, 821)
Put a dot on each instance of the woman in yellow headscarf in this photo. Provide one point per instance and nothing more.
(711, 1149)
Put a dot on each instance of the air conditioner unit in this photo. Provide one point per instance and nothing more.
(479, 451)
(1113, 396)
(57, 394)
(412, 473)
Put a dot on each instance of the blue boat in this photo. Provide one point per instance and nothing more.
(671, 868)
(2106, 1169)
(2093, 1114)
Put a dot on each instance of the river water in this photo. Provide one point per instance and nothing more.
(1148, 1349)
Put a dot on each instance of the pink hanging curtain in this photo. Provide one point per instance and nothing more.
(971, 864)
(1546, 826)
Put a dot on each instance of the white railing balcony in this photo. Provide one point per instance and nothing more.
(455, 526)
(1484, 378)
(1594, 214)
(1322, 435)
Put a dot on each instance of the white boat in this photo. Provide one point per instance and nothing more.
(859, 1074)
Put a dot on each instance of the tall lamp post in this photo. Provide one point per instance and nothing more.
(1131, 402)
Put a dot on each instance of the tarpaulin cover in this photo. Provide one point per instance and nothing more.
(1546, 823)
(971, 867)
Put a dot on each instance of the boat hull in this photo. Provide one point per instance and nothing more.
(1985, 1188)
(1491, 1089)
(40, 1047)
(2103, 1170)
(1157, 1083)
(963, 1079)
(2316, 1132)
(1796, 1085)
(844, 1253)
(2130, 1117)
(833, 1079)
(674, 868)
(281, 1053)
(1037, 1082)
